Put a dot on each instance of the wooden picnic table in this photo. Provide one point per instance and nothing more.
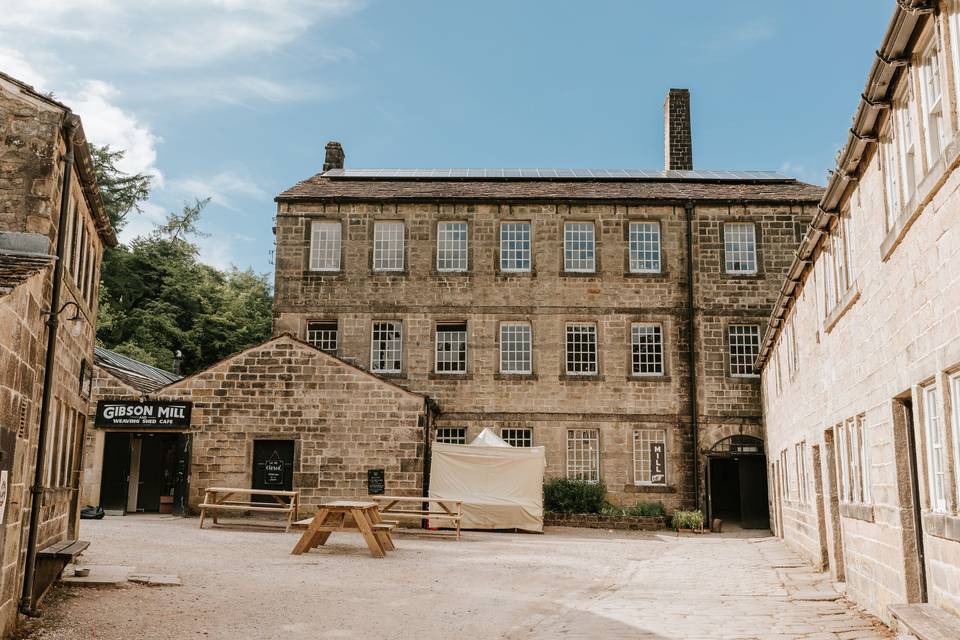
(217, 499)
(412, 507)
(347, 516)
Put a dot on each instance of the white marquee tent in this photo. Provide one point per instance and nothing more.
(501, 486)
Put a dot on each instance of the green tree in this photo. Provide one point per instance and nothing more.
(121, 192)
(157, 297)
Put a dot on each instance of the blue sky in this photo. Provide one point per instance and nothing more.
(235, 99)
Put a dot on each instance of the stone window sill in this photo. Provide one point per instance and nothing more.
(942, 525)
(453, 377)
(390, 376)
(581, 274)
(584, 378)
(648, 378)
(515, 376)
(649, 488)
(846, 302)
(857, 511)
(651, 275)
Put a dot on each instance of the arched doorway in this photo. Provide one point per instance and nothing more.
(737, 482)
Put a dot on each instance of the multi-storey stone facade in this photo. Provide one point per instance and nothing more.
(34, 155)
(860, 384)
(552, 307)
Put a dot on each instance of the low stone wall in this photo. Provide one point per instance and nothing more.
(600, 521)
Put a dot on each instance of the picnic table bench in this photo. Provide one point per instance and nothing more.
(346, 516)
(220, 499)
(420, 508)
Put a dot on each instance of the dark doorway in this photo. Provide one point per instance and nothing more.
(116, 469)
(272, 466)
(142, 471)
(832, 498)
(157, 472)
(737, 479)
(912, 526)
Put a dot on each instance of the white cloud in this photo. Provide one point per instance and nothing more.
(219, 188)
(14, 64)
(172, 33)
(106, 123)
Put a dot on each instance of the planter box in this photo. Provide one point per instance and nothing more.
(599, 521)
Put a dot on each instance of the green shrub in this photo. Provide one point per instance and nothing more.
(687, 519)
(645, 509)
(561, 495)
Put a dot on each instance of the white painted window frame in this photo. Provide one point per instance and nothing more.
(516, 246)
(508, 335)
(325, 245)
(740, 255)
(453, 246)
(397, 325)
(935, 453)
(644, 246)
(583, 454)
(579, 247)
(642, 463)
(389, 245)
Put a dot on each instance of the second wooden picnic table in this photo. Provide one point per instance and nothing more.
(347, 516)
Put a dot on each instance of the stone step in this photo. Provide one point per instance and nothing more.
(925, 621)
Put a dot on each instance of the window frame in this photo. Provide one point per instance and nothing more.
(752, 250)
(373, 342)
(528, 248)
(568, 257)
(635, 351)
(636, 246)
(319, 342)
(907, 135)
(932, 414)
(315, 262)
(448, 438)
(529, 359)
(648, 436)
(511, 435)
(891, 183)
(453, 245)
(574, 468)
(586, 329)
(379, 262)
(730, 345)
(437, 330)
(931, 69)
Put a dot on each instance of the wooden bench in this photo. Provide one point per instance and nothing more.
(51, 561)
(218, 499)
(446, 511)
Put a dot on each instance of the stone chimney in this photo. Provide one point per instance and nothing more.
(334, 157)
(677, 141)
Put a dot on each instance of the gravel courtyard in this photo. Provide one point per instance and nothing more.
(568, 583)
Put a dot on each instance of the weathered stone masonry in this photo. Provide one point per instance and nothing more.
(548, 400)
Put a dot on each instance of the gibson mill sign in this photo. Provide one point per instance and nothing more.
(129, 413)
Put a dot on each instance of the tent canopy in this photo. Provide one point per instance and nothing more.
(501, 487)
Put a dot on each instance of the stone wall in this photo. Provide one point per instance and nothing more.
(342, 420)
(895, 330)
(548, 401)
(31, 174)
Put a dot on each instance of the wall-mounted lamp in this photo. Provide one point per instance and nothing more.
(74, 322)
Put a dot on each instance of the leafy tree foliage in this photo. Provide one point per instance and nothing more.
(157, 298)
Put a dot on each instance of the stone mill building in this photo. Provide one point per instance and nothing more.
(861, 359)
(613, 317)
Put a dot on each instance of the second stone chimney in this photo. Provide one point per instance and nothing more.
(677, 141)
(334, 158)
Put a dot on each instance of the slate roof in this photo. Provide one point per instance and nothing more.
(340, 186)
(16, 268)
(139, 375)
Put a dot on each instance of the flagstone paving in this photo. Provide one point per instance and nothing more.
(568, 583)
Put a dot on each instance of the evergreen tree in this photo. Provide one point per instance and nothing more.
(156, 297)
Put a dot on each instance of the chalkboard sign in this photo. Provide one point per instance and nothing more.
(657, 463)
(376, 482)
(273, 472)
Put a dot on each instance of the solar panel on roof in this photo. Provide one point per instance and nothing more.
(558, 174)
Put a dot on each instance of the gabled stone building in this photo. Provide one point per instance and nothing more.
(328, 422)
(861, 360)
(53, 229)
(611, 316)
